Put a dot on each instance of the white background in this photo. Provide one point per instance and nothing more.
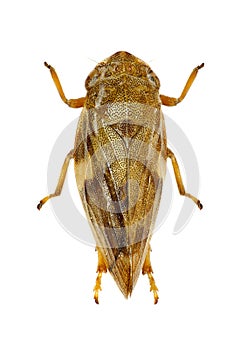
(46, 277)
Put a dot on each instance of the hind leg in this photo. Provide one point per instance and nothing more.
(147, 269)
(100, 269)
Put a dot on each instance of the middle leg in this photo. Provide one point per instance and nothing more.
(180, 181)
(61, 180)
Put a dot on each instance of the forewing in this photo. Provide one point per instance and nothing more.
(120, 183)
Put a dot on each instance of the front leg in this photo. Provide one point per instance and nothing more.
(172, 101)
(74, 103)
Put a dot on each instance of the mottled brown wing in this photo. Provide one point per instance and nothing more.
(119, 180)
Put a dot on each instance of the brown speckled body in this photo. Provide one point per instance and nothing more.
(120, 154)
(120, 149)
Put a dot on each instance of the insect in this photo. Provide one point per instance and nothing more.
(120, 155)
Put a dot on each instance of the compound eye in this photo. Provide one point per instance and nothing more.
(153, 79)
(94, 79)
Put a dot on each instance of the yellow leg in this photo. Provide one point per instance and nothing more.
(172, 101)
(147, 269)
(100, 269)
(74, 103)
(60, 180)
(179, 180)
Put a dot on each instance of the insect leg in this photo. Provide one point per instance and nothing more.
(179, 180)
(74, 103)
(172, 101)
(147, 269)
(60, 180)
(100, 269)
